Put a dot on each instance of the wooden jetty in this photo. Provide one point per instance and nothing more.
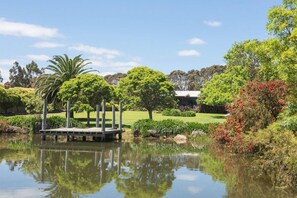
(97, 133)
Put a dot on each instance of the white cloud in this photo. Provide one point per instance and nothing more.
(194, 190)
(25, 192)
(26, 30)
(38, 57)
(186, 177)
(109, 66)
(6, 62)
(107, 53)
(5, 65)
(47, 45)
(188, 53)
(213, 23)
(196, 41)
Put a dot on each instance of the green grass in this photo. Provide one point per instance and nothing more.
(129, 117)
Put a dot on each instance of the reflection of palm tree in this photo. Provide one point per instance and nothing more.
(63, 68)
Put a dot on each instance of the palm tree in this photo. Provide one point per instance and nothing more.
(63, 68)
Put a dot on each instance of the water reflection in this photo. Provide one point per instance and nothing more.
(143, 169)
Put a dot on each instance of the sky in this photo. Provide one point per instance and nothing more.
(117, 35)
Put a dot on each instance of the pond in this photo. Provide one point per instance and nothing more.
(32, 168)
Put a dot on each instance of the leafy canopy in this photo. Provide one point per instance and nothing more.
(222, 88)
(85, 91)
(146, 88)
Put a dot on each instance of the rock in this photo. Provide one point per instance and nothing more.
(180, 139)
(14, 129)
(136, 133)
(198, 133)
(153, 133)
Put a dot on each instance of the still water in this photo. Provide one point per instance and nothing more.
(30, 168)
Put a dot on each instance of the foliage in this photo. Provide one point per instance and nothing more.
(277, 151)
(8, 99)
(23, 76)
(31, 102)
(222, 88)
(58, 121)
(258, 57)
(146, 88)
(63, 69)
(143, 126)
(177, 112)
(257, 106)
(24, 121)
(282, 23)
(84, 92)
(170, 127)
(52, 122)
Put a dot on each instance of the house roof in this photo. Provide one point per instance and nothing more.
(192, 94)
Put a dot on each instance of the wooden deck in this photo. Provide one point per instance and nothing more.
(108, 133)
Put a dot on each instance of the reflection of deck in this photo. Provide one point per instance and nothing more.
(103, 153)
(95, 132)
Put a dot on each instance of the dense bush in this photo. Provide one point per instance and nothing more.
(257, 106)
(170, 127)
(176, 112)
(143, 126)
(52, 122)
(277, 149)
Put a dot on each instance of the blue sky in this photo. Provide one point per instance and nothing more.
(118, 35)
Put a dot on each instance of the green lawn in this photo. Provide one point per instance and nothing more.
(129, 117)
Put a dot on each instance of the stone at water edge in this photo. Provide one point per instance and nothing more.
(180, 139)
(153, 133)
(198, 133)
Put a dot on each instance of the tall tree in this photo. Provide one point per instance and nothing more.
(222, 88)
(84, 92)
(24, 76)
(282, 23)
(63, 68)
(146, 88)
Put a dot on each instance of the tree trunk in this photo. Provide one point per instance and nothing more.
(88, 119)
(150, 114)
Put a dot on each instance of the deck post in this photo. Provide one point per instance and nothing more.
(44, 111)
(113, 116)
(68, 115)
(97, 115)
(103, 115)
(120, 119)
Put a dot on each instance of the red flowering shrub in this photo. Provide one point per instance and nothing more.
(257, 106)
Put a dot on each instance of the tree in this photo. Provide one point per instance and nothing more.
(84, 92)
(259, 57)
(282, 23)
(222, 88)
(63, 68)
(24, 76)
(146, 88)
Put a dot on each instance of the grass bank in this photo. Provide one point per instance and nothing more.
(129, 117)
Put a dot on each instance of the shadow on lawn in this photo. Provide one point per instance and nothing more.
(219, 116)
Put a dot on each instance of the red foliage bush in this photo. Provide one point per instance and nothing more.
(257, 106)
